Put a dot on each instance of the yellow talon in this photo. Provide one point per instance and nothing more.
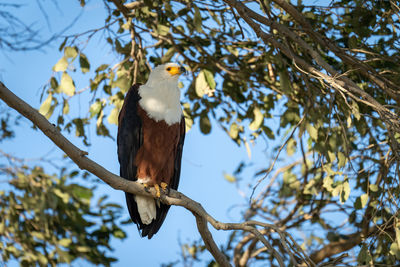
(157, 187)
(146, 188)
(164, 185)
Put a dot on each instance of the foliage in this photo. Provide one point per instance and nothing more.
(317, 80)
(62, 222)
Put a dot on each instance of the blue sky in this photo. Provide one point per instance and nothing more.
(205, 158)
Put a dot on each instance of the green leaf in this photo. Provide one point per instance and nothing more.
(341, 160)
(361, 201)
(65, 242)
(81, 192)
(257, 120)
(54, 84)
(95, 108)
(197, 21)
(38, 235)
(62, 195)
(79, 130)
(205, 124)
(291, 147)
(209, 76)
(82, 249)
(285, 83)
(162, 29)
(312, 131)
(123, 82)
(119, 234)
(395, 250)
(42, 259)
(168, 55)
(84, 63)
(61, 65)
(373, 187)
(345, 191)
(65, 107)
(67, 85)
(102, 67)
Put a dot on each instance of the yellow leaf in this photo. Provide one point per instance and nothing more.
(257, 121)
(67, 85)
(61, 65)
(248, 150)
(65, 242)
(230, 178)
(113, 117)
(45, 107)
(65, 107)
(70, 52)
(234, 131)
(201, 85)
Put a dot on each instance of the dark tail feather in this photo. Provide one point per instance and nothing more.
(151, 229)
(146, 229)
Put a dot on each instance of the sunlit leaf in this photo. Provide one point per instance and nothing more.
(95, 108)
(209, 76)
(67, 84)
(113, 117)
(70, 52)
(45, 107)
(258, 119)
(162, 29)
(312, 131)
(61, 65)
(230, 178)
(65, 242)
(234, 131)
(201, 85)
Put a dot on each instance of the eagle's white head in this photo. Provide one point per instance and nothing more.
(166, 73)
(160, 95)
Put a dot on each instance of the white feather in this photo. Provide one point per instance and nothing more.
(160, 96)
(146, 208)
(146, 205)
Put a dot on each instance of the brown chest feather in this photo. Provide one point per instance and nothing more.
(156, 157)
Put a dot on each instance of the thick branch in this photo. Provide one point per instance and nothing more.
(337, 247)
(116, 182)
(174, 197)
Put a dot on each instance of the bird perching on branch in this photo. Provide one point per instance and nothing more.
(151, 132)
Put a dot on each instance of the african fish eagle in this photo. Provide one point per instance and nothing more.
(151, 132)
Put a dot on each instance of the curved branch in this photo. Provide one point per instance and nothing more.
(173, 198)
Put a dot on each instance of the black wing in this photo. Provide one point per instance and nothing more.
(152, 229)
(129, 141)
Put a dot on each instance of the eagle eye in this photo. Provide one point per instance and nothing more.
(169, 68)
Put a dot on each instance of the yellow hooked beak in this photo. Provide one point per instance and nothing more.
(176, 70)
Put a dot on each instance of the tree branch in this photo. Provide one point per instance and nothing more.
(173, 198)
(342, 245)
